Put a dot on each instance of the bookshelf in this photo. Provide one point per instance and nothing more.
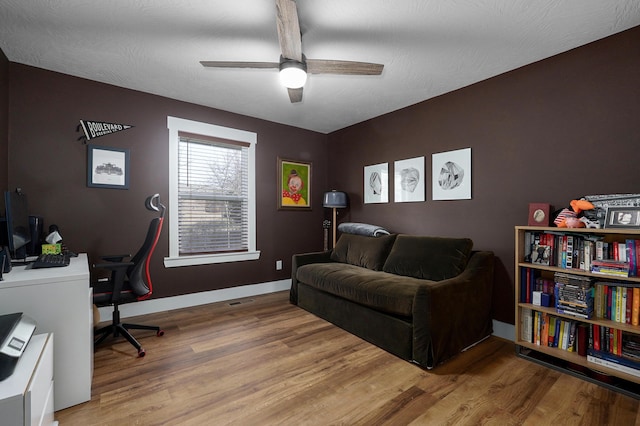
(571, 362)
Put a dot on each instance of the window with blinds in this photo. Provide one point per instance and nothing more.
(213, 196)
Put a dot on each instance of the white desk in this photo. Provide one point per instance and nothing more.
(60, 301)
(26, 397)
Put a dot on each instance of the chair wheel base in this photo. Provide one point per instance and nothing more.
(141, 353)
(160, 333)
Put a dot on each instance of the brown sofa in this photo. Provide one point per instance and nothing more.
(424, 299)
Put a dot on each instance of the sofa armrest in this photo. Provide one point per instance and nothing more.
(299, 260)
(452, 314)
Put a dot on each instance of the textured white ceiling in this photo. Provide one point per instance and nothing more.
(428, 47)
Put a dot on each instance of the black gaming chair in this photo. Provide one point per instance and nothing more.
(129, 281)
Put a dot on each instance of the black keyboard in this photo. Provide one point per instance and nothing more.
(50, 261)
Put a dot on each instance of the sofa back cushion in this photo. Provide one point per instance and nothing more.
(430, 258)
(360, 250)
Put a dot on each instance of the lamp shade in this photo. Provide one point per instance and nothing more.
(335, 199)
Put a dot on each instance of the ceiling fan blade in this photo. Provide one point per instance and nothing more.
(295, 95)
(289, 34)
(230, 64)
(328, 66)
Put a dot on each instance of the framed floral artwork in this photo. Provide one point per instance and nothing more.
(294, 185)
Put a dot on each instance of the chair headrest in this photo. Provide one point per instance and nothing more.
(153, 203)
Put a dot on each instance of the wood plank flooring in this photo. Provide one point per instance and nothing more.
(266, 362)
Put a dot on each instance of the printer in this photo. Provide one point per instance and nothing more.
(15, 332)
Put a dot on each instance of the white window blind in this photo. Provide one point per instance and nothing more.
(213, 191)
(212, 194)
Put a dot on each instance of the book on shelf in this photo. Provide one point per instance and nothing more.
(612, 363)
(610, 267)
(635, 306)
(622, 352)
(544, 329)
(617, 301)
(583, 251)
(530, 282)
(526, 325)
(574, 295)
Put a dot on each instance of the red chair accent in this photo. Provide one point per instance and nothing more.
(129, 282)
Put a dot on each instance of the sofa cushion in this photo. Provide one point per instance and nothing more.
(431, 258)
(360, 250)
(378, 290)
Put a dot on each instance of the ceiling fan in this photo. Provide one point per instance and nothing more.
(293, 65)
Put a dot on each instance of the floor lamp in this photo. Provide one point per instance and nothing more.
(335, 200)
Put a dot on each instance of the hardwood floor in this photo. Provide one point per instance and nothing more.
(266, 362)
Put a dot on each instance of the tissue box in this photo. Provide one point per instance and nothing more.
(51, 248)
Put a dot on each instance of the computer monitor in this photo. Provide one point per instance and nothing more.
(16, 231)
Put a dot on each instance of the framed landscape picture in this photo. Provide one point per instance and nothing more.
(294, 185)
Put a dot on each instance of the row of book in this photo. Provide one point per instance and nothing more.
(615, 302)
(583, 297)
(587, 252)
(614, 348)
(604, 346)
(544, 329)
(531, 281)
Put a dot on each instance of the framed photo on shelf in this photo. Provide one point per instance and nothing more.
(294, 185)
(623, 217)
(376, 183)
(107, 167)
(539, 214)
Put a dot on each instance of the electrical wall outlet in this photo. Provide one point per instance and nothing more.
(278, 265)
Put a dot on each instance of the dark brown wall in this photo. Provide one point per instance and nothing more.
(49, 163)
(548, 132)
(4, 117)
(556, 130)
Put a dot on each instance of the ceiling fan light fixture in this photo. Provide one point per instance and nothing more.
(293, 74)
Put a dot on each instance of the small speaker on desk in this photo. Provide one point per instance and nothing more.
(35, 228)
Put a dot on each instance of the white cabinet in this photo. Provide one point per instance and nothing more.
(26, 397)
(59, 300)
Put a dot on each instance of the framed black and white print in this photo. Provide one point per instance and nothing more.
(376, 183)
(409, 180)
(107, 167)
(623, 217)
(451, 173)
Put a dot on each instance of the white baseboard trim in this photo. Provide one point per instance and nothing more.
(194, 299)
(504, 330)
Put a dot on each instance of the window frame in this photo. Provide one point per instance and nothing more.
(206, 130)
